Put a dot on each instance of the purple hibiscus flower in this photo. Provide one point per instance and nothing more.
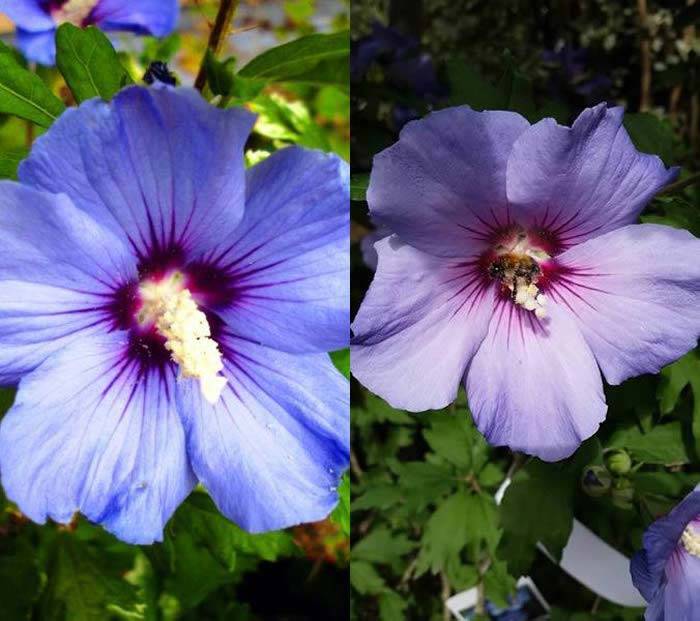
(167, 314)
(516, 267)
(667, 570)
(37, 20)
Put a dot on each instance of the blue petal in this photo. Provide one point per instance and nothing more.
(660, 541)
(39, 47)
(27, 14)
(57, 267)
(89, 433)
(155, 17)
(271, 451)
(682, 595)
(442, 187)
(289, 258)
(582, 181)
(159, 165)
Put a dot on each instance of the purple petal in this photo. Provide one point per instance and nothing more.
(442, 186)
(419, 324)
(289, 257)
(160, 165)
(682, 595)
(39, 47)
(583, 181)
(89, 433)
(534, 385)
(27, 14)
(58, 268)
(660, 541)
(635, 293)
(272, 450)
(154, 17)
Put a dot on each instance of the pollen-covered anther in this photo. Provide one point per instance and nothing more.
(530, 298)
(74, 12)
(518, 272)
(691, 541)
(186, 331)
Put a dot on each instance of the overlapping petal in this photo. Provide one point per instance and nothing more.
(289, 257)
(583, 181)
(154, 17)
(38, 46)
(57, 269)
(533, 385)
(682, 596)
(272, 450)
(29, 15)
(660, 541)
(635, 293)
(419, 324)
(442, 186)
(159, 166)
(90, 433)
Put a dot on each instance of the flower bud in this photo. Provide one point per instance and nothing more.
(596, 480)
(623, 494)
(618, 462)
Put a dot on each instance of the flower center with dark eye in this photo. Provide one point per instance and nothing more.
(516, 264)
(168, 306)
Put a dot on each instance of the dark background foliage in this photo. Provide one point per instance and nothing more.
(424, 522)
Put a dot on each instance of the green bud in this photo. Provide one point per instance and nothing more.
(623, 494)
(618, 462)
(596, 480)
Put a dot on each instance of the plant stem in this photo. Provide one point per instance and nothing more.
(645, 57)
(680, 185)
(224, 19)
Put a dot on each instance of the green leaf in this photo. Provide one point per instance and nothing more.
(674, 379)
(341, 514)
(513, 92)
(392, 606)
(651, 134)
(358, 186)
(84, 584)
(453, 437)
(219, 73)
(423, 483)
(382, 546)
(378, 496)
(202, 550)
(19, 578)
(663, 444)
(675, 211)
(89, 63)
(460, 520)
(24, 94)
(365, 579)
(341, 360)
(9, 162)
(317, 59)
(499, 585)
(468, 86)
(539, 506)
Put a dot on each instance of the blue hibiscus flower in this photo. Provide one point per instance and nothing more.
(167, 314)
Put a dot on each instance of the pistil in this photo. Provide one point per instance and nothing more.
(171, 308)
(74, 12)
(691, 541)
